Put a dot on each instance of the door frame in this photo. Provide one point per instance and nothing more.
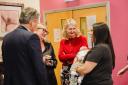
(94, 5)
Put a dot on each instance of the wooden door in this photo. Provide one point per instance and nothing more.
(81, 17)
(55, 22)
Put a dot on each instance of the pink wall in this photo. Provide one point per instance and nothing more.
(46, 5)
(119, 28)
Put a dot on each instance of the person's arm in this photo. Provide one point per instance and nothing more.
(86, 68)
(52, 61)
(54, 57)
(123, 70)
(93, 58)
(84, 41)
(39, 69)
(63, 57)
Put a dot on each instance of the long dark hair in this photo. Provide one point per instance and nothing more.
(101, 34)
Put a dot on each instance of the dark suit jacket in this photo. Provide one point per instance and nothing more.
(21, 53)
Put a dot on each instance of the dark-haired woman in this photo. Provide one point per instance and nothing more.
(100, 61)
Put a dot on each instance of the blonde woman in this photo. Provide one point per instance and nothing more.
(48, 55)
(69, 46)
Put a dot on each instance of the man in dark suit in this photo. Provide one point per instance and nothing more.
(21, 53)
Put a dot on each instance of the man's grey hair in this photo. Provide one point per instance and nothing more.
(28, 14)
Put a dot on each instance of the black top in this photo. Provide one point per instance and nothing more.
(50, 68)
(101, 74)
(22, 60)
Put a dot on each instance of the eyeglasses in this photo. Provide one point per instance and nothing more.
(45, 31)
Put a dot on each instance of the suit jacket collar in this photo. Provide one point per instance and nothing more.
(23, 27)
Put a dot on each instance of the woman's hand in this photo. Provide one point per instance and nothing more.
(46, 60)
(78, 70)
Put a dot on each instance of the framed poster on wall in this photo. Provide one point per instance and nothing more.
(9, 16)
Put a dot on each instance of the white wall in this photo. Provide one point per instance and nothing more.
(32, 3)
(10, 0)
(27, 3)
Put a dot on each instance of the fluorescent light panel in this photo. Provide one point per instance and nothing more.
(68, 0)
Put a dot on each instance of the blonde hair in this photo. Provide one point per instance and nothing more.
(41, 26)
(70, 22)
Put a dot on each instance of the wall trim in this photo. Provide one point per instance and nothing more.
(92, 5)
